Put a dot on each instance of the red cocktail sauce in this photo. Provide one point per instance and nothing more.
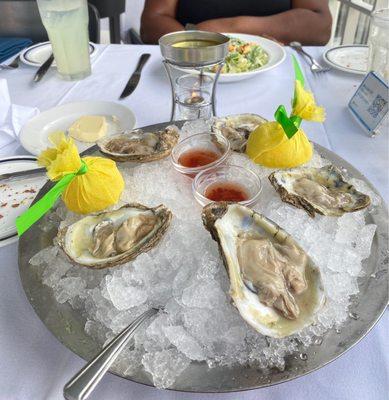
(226, 191)
(197, 157)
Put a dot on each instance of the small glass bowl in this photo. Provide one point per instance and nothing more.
(208, 141)
(231, 174)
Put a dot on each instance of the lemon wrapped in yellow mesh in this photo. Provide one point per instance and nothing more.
(96, 188)
(269, 146)
(304, 105)
(62, 159)
(282, 143)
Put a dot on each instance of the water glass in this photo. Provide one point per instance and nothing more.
(66, 23)
(379, 43)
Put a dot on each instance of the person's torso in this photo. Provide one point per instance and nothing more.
(195, 11)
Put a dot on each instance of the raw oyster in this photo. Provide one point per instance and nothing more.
(237, 128)
(322, 190)
(114, 237)
(273, 283)
(139, 146)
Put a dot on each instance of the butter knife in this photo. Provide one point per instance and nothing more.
(135, 77)
(44, 68)
(25, 174)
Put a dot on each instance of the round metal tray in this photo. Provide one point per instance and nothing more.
(67, 325)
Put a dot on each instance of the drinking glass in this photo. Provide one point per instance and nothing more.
(66, 23)
(379, 43)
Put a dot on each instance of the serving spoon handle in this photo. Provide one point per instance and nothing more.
(83, 383)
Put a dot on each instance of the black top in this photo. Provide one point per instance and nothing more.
(195, 11)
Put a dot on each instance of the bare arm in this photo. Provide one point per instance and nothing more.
(159, 18)
(309, 22)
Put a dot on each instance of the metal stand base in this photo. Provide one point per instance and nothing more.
(170, 68)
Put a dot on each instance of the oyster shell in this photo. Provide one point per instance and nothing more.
(114, 237)
(322, 190)
(273, 283)
(237, 128)
(139, 146)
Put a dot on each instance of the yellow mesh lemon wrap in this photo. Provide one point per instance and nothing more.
(305, 106)
(62, 159)
(97, 189)
(269, 146)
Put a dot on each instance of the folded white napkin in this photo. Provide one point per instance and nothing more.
(12, 116)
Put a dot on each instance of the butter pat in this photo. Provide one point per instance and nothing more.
(88, 128)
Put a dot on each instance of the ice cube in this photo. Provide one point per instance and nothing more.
(184, 342)
(204, 294)
(129, 362)
(45, 256)
(344, 259)
(196, 126)
(96, 330)
(174, 311)
(349, 225)
(165, 366)
(364, 240)
(123, 296)
(155, 333)
(67, 288)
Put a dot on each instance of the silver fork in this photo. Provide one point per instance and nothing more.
(315, 66)
(83, 383)
(14, 64)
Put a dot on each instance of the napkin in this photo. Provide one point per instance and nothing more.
(12, 116)
(11, 46)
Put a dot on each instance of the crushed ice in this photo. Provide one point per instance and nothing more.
(184, 274)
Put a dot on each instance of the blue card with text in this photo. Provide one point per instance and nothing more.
(369, 104)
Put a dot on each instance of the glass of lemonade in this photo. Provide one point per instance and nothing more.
(66, 23)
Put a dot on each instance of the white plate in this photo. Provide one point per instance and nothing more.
(275, 51)
(34, 135)
(16, 195)
(348, 58)
(37, 54)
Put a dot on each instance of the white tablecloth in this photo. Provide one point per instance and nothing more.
(35, 366)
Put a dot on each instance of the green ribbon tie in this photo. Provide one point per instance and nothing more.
(290, 124)
(297, 71)
(299, 76)
(40, 208)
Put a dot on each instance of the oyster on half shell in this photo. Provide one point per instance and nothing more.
(273, 283)
(114, 237)
(322, 190)
(139, 146)
(237, 128)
